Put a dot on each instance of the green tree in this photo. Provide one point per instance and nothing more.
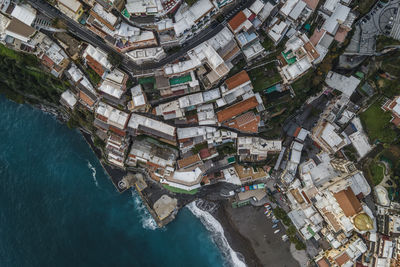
(291, 231)
(115, 59)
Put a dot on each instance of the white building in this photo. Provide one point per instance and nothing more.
(185, 179)
(299, 54)
(112, 116)
(206, 114)
(342, 83)
(140, 56)
(139, 100)
(24, 13)
(114, 84)
(68, 99)
(187, 18)
(278, 30)
(257, 148)
(324, 134)
(142, 124)
(97, 59)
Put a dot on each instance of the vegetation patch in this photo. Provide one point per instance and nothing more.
(281, 214)
(81, 117)
(382, 41)
(391, 63)
(94, 78)
(21, 75)
(196, 149)
(180, 191)
(363, 6)
(377, 123)
(291, 230)
(268, 44)
(391, 155)
(148, 83)
(377, 172)
(264, 77)
(190, 2)
(239, 66)
(226, 149)
(350, 152)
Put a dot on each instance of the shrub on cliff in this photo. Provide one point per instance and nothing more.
(21, 74)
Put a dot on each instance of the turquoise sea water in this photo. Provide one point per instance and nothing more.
(58, 208)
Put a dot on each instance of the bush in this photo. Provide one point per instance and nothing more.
(299, 245)
(281, 215)
(115, 59)
(291, 231)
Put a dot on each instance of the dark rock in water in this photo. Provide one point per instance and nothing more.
(56, 112)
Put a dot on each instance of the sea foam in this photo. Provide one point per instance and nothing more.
(213, 226)
(93, 169)
(146, 219)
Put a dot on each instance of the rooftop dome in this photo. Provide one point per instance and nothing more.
(363, 222)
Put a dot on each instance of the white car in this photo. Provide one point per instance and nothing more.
(277, 231)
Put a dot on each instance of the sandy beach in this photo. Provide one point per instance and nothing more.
(250, 233)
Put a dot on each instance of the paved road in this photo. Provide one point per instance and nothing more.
(127, 64)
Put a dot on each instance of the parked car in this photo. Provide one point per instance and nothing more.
(277, 231)
(274, 226)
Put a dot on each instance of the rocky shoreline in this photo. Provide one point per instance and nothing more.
(233, 229)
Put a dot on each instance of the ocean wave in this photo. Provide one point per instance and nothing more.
(93, 169)
(146, 219)
(212, 225)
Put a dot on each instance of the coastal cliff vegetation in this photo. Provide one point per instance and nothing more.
(23, 78)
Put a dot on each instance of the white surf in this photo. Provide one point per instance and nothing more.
(212, 225)
(146, 219)
(93, 169)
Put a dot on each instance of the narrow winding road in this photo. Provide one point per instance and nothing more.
(127, 64)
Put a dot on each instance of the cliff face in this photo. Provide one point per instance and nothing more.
(22, 78)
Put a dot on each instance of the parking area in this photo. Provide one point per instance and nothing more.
(381, 20)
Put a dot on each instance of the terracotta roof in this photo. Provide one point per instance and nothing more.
(311, 50)
(396, 121)
(102, 20)
(237, 20)
(342, 259)
(20, 28)
(185, 162)
(348, 202)
(86, 98)
(316, 36)
(237, 79)
(117, 131)
(323, 263)
(311, 3)
(231, 53)
(341, 34)
(204, 153)
(296, 133)
(96, 66)
(332, 219)
(237, 109)
(392, 105)
(47, 61)
(247, 122)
